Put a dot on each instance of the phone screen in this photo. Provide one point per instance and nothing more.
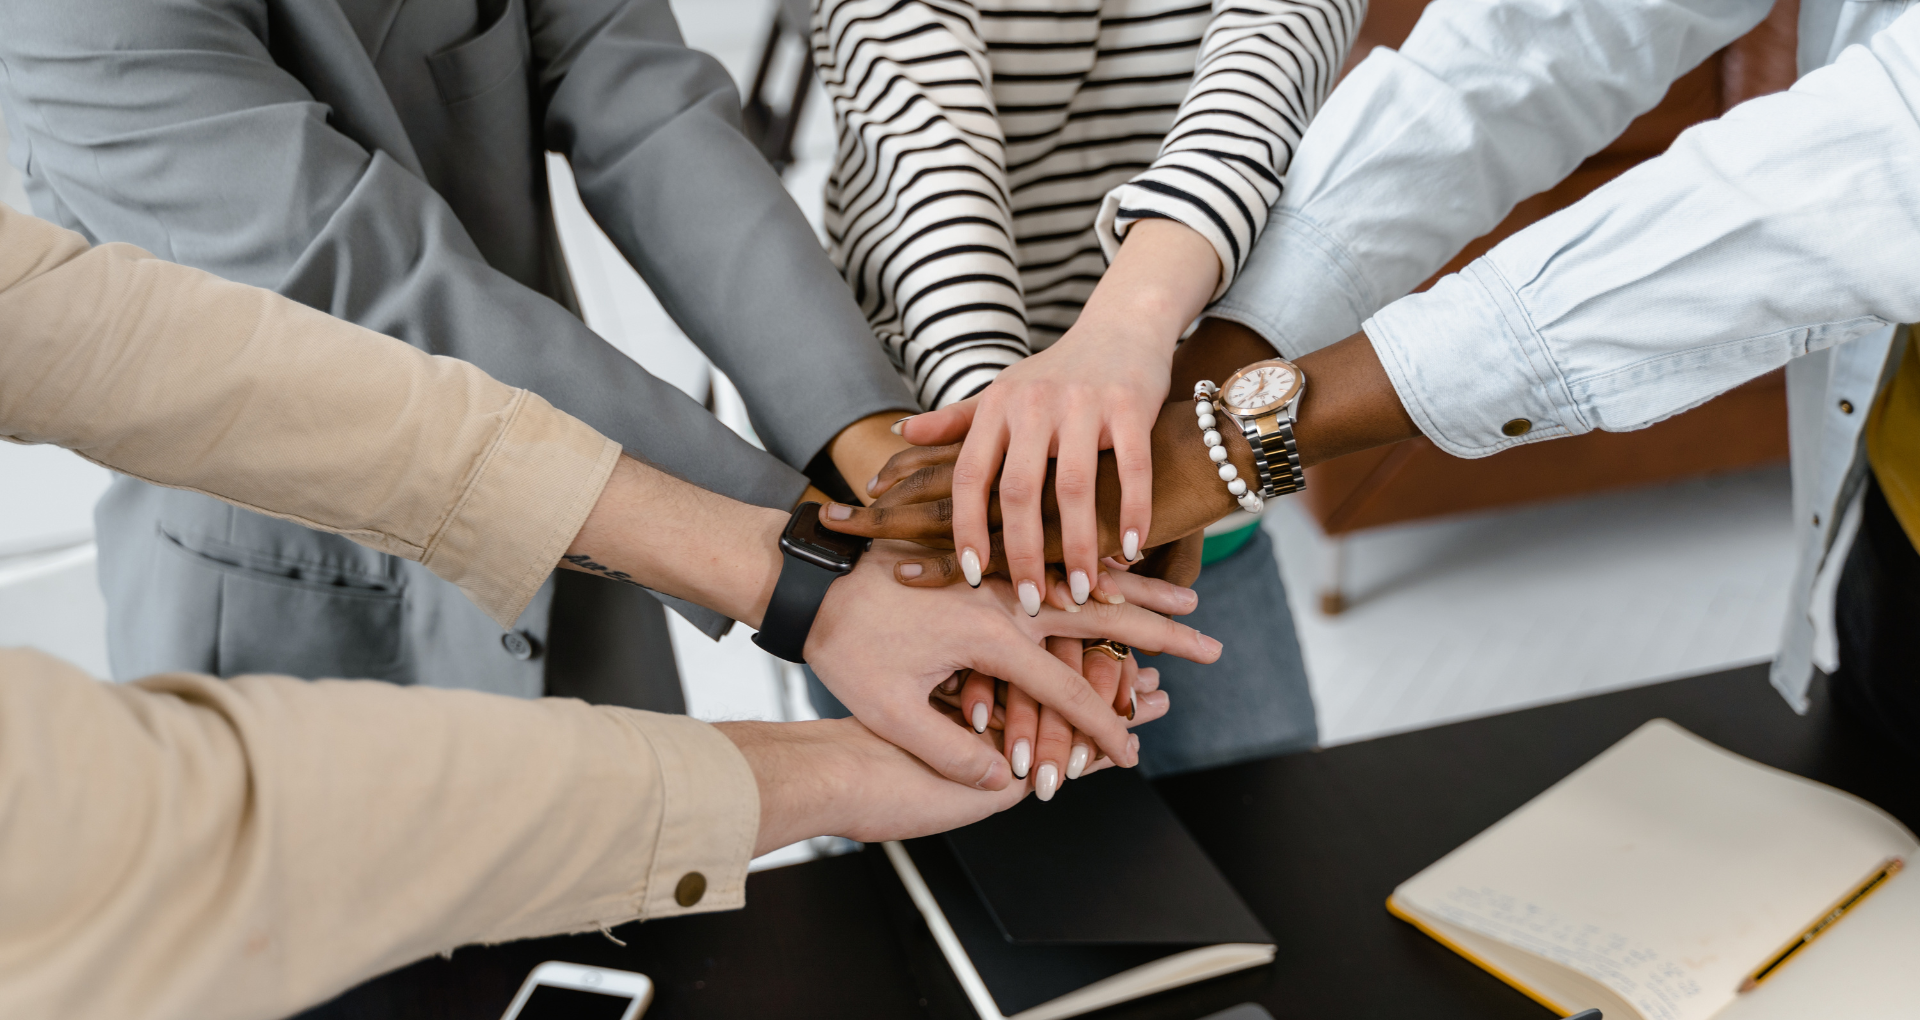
(550, 1002)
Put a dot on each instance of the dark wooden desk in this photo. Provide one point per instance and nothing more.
(1315, 842)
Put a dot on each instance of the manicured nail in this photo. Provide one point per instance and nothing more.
(970, 566)
(1022, 757)
(839, 512)
(1130, 545)
(980, 717)
(909, 571)
(872, 485)
(1133, 750)
(1078, 583)
(1077, 761)
(1030, 598)
(897, 427)
(1133, 705)
(1048, 782)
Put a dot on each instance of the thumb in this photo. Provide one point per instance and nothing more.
(949, 424)
(951, 750)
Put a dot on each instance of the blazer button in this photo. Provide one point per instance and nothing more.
(1517, 427)
(518, 645)
(693, 885)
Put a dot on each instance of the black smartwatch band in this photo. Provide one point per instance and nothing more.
(796, 601)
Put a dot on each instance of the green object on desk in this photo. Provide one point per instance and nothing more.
(1219, 547)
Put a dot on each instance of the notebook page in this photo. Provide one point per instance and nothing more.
(1665, 869)
(1866, 967)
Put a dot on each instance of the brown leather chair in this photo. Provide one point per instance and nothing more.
(1744, 428)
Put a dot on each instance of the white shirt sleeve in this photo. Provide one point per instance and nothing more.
(1787, 226)
(1422, 150)
(1264, 68)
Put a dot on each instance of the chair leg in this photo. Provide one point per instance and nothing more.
(1333, 577)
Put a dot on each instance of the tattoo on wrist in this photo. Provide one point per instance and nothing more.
(586, 562)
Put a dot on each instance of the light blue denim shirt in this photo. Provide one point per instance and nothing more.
(1786, 232)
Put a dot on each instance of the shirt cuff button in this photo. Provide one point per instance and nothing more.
(1517, 427)
(693, 885)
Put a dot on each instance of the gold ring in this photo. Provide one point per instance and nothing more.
(1110, 648)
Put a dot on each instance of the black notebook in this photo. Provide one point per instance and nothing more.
(1099, 897)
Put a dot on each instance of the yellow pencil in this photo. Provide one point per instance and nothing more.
(1887, 869)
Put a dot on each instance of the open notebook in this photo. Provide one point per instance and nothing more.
(1659, 877)
(1096, 898)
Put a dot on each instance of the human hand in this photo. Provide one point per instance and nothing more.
(882, 649)
(834, 777)
(1027, 724)
(915, 502)
(1098, 388)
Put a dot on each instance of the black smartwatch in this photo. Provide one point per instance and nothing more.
(815, 557)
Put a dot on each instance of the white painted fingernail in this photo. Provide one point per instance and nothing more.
(970, 566)
(1022, 757)
(1030, 598)
(1077, 761)
(1130, 544)
(1078, 583)
(1048, 782)
(897, 427)
(872, 485)
(980, 717)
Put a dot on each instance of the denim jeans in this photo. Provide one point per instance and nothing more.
(1252, 703)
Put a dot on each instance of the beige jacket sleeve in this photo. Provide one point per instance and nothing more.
(184, 846)
(183, 379)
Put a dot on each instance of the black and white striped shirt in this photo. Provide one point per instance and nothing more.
(992, 153)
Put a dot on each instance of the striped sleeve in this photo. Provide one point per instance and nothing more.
(1265, 66)
(918, 214)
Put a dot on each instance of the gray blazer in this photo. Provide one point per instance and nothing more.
(382, 160)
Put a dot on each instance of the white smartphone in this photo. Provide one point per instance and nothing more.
(571, 991)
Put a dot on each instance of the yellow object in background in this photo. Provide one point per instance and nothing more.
(1893, 442)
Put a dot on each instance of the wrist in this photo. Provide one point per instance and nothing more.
(1188, 493)
(799, 774)
(864, 447)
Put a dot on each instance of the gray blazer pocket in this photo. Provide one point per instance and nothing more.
(296, 619)
(472, 67)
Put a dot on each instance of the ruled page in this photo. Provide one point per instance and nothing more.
(1665, 869)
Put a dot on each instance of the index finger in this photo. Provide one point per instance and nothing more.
(1051, 682)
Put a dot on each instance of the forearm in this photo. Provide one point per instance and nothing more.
(1161, 278)
(652, 529)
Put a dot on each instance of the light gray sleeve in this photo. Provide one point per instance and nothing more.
(1422, 150)
(651, 129)
(168, 124)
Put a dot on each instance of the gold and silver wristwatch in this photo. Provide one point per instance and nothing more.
(1263, 399)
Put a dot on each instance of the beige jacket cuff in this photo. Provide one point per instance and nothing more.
(528, 499)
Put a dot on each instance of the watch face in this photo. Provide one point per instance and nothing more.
(1259, 388)
(806, 538)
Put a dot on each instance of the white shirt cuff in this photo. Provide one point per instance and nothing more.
(1473, 373)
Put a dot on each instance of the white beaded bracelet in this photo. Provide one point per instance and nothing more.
(1203, 393)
